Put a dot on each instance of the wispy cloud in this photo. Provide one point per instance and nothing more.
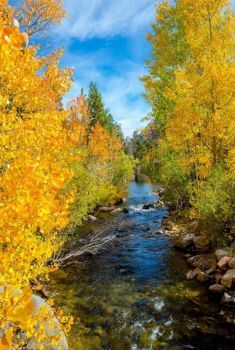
(103, 18)
(125, 99)
(105, 42)
(121, 90)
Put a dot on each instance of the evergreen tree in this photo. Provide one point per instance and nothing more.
(98, 112)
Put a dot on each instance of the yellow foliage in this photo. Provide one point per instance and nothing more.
(37, 15)
(35, 158)
(41, 148)
(190, 87)
(202, 129)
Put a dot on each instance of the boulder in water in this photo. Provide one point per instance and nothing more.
(159, 232)
(146, 229)
(159, 204)
(148, 206)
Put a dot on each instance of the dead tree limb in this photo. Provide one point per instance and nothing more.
(94, 243)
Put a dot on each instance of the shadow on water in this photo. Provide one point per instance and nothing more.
(133, 295)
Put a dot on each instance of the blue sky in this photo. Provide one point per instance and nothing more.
(105, 42)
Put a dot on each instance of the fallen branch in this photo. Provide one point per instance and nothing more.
(95, 242)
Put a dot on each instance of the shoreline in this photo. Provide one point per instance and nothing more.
(214, 268)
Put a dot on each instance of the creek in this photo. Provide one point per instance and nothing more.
(133, 295)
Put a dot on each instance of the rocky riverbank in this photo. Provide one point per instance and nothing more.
(215, 268)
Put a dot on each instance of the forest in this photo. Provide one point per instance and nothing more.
(61, 164)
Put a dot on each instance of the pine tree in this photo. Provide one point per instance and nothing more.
(98, 112)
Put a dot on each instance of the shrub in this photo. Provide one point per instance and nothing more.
(214, 206)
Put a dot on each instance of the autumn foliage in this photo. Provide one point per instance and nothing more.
(36, 16)
(46, 157)
(190, 87)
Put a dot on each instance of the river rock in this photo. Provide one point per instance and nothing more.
(187, 256)
(148, 206)
(190, 275)
(184, 240)
(217, 288)
(125, 211)
(51, 326)
(201, 276)
(158, 304)
(228, 280)
(167, 223)
(218, 277)
(206, 263)
(159, 232)
(116, 211)
(160, 191)
(220, 253)
(174, 230)
(106, 209)
(228, 298)
(223, 263)
(231, 263)
(201, 243)
(159, 204)
(119, 201)
(92, 218)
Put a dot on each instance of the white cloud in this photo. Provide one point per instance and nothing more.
(121, 89)
(105, 18)
(119, 84)
(121, 92)
(122, 96)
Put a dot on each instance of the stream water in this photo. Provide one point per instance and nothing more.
(133, 296)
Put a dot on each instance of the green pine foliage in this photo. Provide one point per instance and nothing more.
(99, 113)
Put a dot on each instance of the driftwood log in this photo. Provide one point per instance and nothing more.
(93, 244)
